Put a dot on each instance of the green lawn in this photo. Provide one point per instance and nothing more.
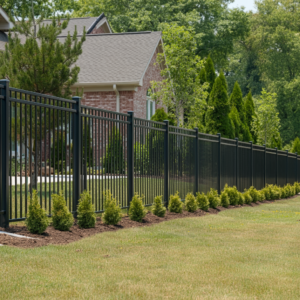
(247, 253)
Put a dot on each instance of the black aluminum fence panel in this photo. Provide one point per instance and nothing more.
(292, 170)
(258, 168)
(181, 161)
(271, 168)
(228, 163)
(104, 155)
(149, 159)
(208, 164)
(245, 165)
(282, 169)
(40, 155)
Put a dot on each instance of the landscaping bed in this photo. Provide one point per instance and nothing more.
(56, 237)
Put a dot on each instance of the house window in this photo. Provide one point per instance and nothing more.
(150, 107)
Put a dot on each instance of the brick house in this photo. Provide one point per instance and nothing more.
(115, 68)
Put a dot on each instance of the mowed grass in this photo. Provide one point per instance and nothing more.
(247, 253)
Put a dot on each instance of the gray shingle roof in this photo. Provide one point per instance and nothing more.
(108, 58)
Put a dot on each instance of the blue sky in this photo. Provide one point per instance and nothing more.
(248, 4)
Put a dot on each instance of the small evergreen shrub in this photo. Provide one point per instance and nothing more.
(213, 198)
(267, 193)
(233, 194)
(158, 208)
(86, 217)
(254, 194)
(37, 220)
(190, 203)
(282, 193)
(137, 210)
(241, 199)
(297, 187)
(62, 219)
(224, 199)
(248, 198)
(175, 204)
(112, 214)
(262, 196)
(202, 200)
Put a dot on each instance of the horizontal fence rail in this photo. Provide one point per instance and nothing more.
(52, 144)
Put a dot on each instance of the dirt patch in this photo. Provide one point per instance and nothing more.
(56, 237)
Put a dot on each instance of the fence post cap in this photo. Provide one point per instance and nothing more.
(166, 121)
(131, 113)
(250, 142)
(6, 80)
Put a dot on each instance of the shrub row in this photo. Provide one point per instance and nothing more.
(37, 220)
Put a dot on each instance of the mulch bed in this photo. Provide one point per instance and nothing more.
(56, 237)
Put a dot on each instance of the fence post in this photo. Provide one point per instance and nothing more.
(237, 163)
(197, 161)
(287, 164)
(296, 166)
(130, 156)
(276, 166)
(77, 153)
(265, 164)
(4, 172)
(219, 164)
(251, 163)
(166, 163)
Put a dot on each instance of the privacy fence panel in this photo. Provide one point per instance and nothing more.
(208, 148)
(182, 166)
(244, 166)
(228, 162)
(104, 155)
(258, 167)
(149, 159)
(54, 145)
(282, 168)
(271, 166)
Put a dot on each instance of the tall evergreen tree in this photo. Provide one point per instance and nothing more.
(210, 72)
(236, 99)
(217, 117)
(224, 82)
(296, 146)
(202, 76)
(249, 114)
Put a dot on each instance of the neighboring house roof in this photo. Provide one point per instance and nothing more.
(116, 58)
(5, 23)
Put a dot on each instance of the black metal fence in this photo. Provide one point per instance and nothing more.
(52, 144)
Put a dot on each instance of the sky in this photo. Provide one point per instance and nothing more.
(248, 4)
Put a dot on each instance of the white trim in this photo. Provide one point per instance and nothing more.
(9, 24)
(102, 22)
(118, 98)
(122, 83)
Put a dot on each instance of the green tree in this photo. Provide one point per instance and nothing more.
(210, 72)
(217, 117)
(160, 116)
(266, 123)
(25, 64)
(249, 113)
(181, 89)
(296, 146)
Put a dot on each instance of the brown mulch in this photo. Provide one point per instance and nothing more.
(56, 237)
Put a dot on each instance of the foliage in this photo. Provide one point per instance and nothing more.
(296, 146)
(266, 121)
(114, 158)
(37, 220)
(217, 118)
(233, 194)
(190, 203)
(297, 187)
(180, 89)
(213, 198)
(249, 114)
(136, 210)
(202, 201)
(112, 214)
(62, 218)
(262, 196)
(160, 116)
(248, 198)
(241, 199)
(254, 194)
(224, 199)
(158, 208)
(175, 204)
(54, 75)
(210, 73)
(141, 157)
(267, 193)
(86, 217)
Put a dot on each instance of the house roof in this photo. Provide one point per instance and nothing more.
(116, 58)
